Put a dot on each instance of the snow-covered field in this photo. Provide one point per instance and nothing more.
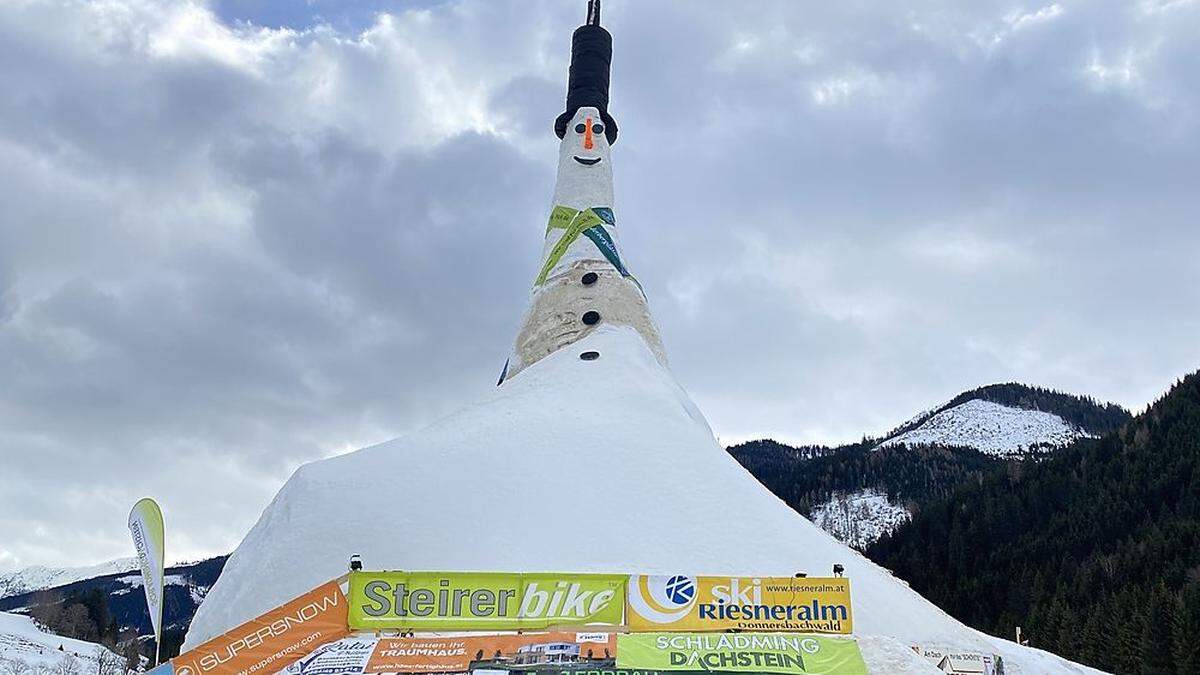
(992, 428)
(603, 465)
(860, 518)
(37, 578)
(27, 649)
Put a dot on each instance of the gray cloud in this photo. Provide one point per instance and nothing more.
(227, 249)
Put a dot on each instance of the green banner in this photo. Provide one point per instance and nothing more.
(604, 241)
(789, 654)
(589, 223)
(483, 600)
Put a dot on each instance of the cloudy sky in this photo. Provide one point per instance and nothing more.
(241, 235)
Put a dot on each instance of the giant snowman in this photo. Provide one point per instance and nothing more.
(589, 456)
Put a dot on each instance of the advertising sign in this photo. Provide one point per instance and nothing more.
(685, 603)
(273, 640)
(146, 527)
(347, 656)
(959, 661)
(544, 653)
(741, 653)
(483, 600)
(509, 652)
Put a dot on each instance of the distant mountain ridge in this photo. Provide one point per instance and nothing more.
(1092, 416)
(184, 589)
(38, 577)
(992, 428)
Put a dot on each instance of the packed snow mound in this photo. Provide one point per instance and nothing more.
(573, 466)
(37, 578)
(992, 428)
(33, 650)
(859, 519)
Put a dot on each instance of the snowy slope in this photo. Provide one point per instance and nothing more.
(134, 582)
(991, 428)
(861, 518)
(574, 465)
(23, 642)
(37, 578)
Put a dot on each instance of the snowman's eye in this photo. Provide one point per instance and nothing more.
(597, 129)
(580, 128)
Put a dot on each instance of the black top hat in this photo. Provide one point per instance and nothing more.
(591, 59)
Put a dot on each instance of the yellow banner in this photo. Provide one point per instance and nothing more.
(483, 600)
(686, 603)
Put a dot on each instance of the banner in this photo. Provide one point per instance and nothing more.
(589, 223)
(960, 661)
(483, 600)
(685, 603)
(146, 526)
(347, 656)
(273, 640)
(740, 653)
(545, 653)
(520, 652)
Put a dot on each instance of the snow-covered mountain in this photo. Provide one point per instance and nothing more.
(38, 577)
(992, 428)
(27, 648)
(860, 518)
(1009, 420)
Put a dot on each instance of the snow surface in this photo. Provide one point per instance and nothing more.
(991, 428)
(859, 519)
(38, 578)
(572, 466)
(135, 581)
(21, 640)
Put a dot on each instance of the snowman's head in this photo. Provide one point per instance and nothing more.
(585, 139)
(584, 170)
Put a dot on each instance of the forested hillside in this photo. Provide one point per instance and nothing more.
(883, 479)
(909, 476)
(1094, 551)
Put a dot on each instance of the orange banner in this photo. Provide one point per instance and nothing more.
(274, 640)
(462, 654)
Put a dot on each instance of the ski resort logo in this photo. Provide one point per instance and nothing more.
(684, 603)
(661, 599)
(680, 589)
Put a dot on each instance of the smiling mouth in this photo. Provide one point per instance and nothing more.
(587, 161)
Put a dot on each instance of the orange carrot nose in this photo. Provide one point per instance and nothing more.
(587, 134)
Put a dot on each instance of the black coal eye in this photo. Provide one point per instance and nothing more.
(580, 128)
(597, 129)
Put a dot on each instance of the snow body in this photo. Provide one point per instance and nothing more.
(560, 298)
(991, 428)
(575, 466)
